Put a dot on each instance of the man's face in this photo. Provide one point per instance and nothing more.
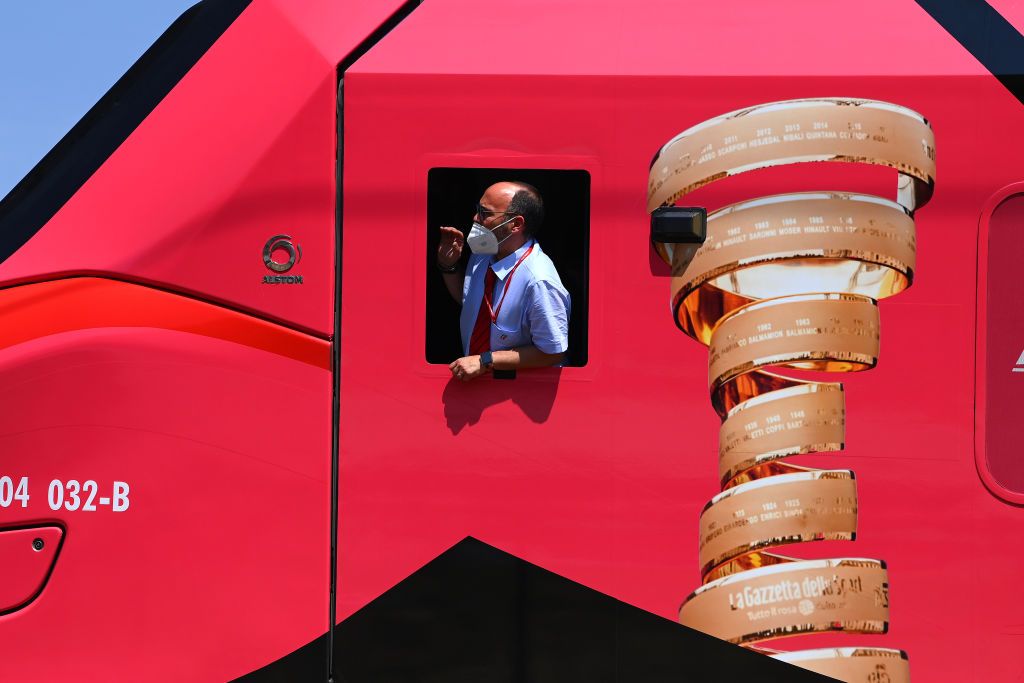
(491, 210)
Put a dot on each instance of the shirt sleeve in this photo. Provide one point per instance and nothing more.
(547, 316)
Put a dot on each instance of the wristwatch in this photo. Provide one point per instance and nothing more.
(486, 360)
(448, 269)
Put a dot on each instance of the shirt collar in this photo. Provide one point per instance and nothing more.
(502, 267)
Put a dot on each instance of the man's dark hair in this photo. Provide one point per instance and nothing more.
(526, 202)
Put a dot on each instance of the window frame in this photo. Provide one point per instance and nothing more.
(526, 163)
(980, 347)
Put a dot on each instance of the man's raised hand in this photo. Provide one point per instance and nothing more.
(450, 249)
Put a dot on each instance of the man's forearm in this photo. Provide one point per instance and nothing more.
(524, 357)
(453, 281)
(468, 368)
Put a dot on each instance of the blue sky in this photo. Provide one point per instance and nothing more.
(57, 58)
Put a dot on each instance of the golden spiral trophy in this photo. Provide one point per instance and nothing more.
(791, 281)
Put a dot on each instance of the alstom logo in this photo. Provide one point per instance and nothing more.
(281, 244)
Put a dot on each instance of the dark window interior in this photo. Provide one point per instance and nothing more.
(565, 237)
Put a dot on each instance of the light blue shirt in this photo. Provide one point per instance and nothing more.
(535, 309)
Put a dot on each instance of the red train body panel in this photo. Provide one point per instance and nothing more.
(210, 395)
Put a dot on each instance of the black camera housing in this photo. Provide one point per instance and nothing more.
(679, 225)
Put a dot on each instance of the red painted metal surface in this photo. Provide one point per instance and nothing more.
(240, 150)
(27, 556)
(575, 38)
(47, 308)
(597, 473)
(216, 419)
(600, 473)
(225, 452)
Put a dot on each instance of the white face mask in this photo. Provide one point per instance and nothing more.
(482, 241)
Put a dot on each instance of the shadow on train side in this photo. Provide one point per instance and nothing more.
(476, 613)
(464, 403)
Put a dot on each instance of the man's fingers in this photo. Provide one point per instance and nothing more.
(452, 235)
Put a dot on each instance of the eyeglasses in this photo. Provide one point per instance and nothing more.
(482, 212)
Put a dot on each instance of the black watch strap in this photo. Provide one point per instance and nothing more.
(486, 360)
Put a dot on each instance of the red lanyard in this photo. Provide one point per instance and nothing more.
(504, 291)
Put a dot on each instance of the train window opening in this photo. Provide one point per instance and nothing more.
(563, 236)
